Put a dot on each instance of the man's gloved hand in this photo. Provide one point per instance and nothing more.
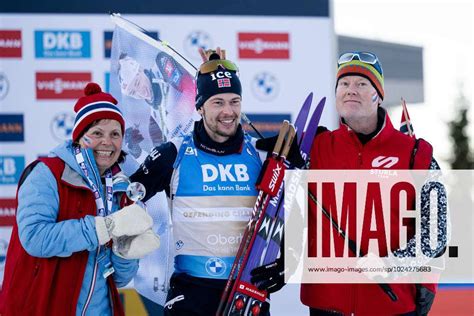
(137, 247)
(269, 277)
(129, 221)
(294, 156)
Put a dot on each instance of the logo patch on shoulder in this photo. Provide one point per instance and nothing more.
(189, 151)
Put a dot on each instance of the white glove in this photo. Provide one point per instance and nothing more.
(129, 221)
(374, 265)
(137, 247)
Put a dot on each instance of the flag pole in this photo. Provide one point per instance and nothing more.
(407, 118)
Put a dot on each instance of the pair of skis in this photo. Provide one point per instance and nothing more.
(263, 235)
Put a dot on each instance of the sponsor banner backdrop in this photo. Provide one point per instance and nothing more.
(59, 54)
(47, 59)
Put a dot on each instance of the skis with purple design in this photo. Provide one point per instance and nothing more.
(247, 299)
(305, 141)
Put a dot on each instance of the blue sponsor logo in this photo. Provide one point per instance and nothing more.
(62, 44)
(11, 168)
(12, 128)
(108, 35)
(267, 124)
(215, 266)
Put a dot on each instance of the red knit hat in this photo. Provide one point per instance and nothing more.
(95, 105)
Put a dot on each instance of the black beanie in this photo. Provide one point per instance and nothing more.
(219, 81)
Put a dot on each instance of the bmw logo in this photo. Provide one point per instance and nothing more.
(62, 125)
(265, 86)
(4, 85)
(215, 266)
(195, 40)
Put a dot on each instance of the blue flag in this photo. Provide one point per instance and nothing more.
(155, 90)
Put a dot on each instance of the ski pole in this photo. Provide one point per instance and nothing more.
(352, 245)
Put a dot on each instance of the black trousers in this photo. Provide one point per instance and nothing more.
(190, 296)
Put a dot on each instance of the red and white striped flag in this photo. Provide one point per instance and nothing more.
(405, 123)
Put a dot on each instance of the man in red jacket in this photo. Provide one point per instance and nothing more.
(364, 138)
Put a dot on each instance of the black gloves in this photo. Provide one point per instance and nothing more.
(269, 277)
(294, 156)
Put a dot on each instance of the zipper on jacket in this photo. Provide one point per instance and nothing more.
(111, 300)
(354, 298)
(91, 290)
(35, 272)
(169, 267)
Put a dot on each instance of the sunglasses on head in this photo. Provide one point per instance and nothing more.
(213, 65)
(364, 57)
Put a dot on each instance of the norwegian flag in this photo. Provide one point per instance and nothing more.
(223, 83)
(405, 123)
